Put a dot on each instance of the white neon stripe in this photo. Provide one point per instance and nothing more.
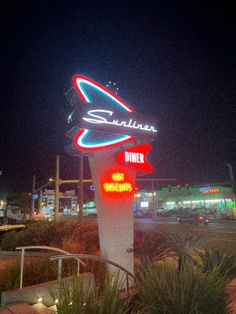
(80, 80)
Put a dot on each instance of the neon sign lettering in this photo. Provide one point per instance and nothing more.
(117, 184)
(117, 187)
(118, 176)
(209, 190)
(136, 158)
(100, 119)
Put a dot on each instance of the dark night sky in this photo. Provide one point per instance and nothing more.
(176, 62)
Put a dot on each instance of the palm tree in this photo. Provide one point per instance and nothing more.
(184, 245)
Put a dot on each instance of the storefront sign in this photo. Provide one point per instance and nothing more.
(117, 183)
(136, 157)
(209, 190)
(118, 122)
(106, 120)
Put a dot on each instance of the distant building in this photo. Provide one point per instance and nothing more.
(67, 201)
(212, 198)
(215, 199)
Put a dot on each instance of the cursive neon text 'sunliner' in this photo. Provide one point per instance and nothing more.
(98, 118)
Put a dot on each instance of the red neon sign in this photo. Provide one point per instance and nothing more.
(136, 157)
(87, 139)
(117, 182)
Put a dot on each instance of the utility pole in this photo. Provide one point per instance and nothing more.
(153, 197)
(32, 198)
(231, 175)
(40, 198)
(57, 183)
(81, 188)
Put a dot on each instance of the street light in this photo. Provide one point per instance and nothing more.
(39, 189)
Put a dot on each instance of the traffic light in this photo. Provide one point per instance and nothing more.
(75, 103)
(187, 186)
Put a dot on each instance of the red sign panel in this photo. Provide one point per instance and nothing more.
(136, 158)
(117, 182)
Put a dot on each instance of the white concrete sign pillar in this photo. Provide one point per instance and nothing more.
(114, 210)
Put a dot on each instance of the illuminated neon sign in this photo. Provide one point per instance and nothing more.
(117, 183)
(107, 120)
(209, 190)
(136, 157)
(117, 122)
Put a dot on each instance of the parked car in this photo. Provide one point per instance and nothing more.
(194, 219)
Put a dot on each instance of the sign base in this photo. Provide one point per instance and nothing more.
(114, 210)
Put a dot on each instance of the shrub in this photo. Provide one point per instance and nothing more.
(149, 244)
(103, 299)
(184, 245)
(10, 277)
(36, 270)
(163, 289)
(53, 234)
(10, 240)
(71, 245)
(34, 234)
(225, 261)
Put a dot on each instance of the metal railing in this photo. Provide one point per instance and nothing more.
(40, 247)
(91, 257)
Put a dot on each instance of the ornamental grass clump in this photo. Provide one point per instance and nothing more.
(149, 244)
(75, 297)
(165, 289)
(10, 276)
(226, 262)
(36, 270)
(184, 246)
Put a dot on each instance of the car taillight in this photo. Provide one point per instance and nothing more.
(200, 218)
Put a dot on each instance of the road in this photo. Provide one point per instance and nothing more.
(171, 223)
(148, 223)
(218, 234)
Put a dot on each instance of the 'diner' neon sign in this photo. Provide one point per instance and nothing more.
(136, 158)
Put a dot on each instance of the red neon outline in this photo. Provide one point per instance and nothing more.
(98, 85)
(81, 132)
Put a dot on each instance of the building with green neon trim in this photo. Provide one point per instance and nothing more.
(213, 198)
